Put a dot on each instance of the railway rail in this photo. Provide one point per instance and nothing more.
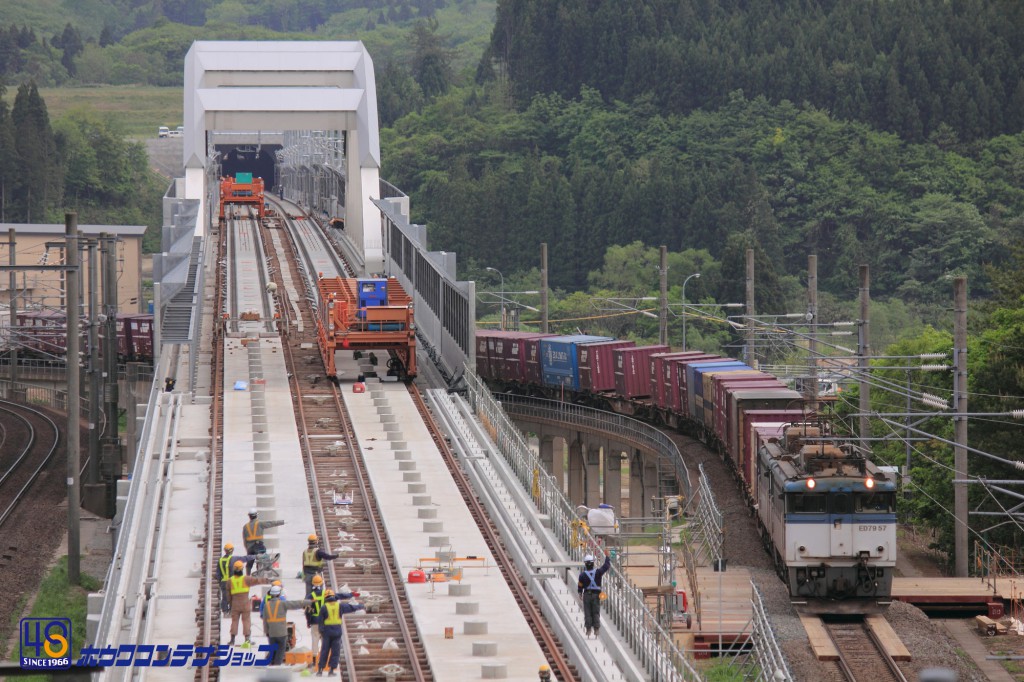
(862, 658)
(37, 450)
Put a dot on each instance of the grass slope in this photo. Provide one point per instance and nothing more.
(138, 109)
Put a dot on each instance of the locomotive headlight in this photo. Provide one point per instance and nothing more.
(880, 549)
(811, 484)
(869, 483)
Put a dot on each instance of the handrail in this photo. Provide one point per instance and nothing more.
(653, 646)
(625, 428)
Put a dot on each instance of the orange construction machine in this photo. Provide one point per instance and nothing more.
(365, 315)
(242, 189)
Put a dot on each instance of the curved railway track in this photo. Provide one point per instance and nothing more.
(28, 464)
(861, 656)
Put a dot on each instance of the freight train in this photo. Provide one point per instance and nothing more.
(826, 512)
(44, 334)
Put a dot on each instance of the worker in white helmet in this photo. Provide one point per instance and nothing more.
(589, 587)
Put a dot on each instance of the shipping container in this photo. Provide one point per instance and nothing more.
(758, 426)
(739, 403)
(633, 368)
(532, 365)
(597, 364)
(672, 368)
(506, 353)
(483, 361)
(681, 370)
(559, 360)
(725, 384)
(695, 384)
(709, 392)
(658, 367)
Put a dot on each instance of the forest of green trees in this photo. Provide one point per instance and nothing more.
(880, 133)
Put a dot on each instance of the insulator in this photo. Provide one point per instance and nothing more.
(934, 401)
(934, 368)
(1017, 414)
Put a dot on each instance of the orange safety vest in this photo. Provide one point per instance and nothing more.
(253, 531)
(238, 585)
(333, 613)
(274, 613)
(310, 559)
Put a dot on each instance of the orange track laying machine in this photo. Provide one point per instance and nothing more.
(242, 189)
(366, 314)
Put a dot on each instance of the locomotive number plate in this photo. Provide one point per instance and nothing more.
(869, 528)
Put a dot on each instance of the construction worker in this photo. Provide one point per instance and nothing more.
(275, 620)
(317, 596)
(313, 562)
(239, 585)
(263, 604)
(330, 628)
(589, 587)
(252, 533)
(223, 574)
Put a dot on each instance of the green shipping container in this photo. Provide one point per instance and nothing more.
(243, 178)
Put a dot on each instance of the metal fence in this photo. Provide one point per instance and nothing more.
(624, 428)
(653, 646)
(767, 655)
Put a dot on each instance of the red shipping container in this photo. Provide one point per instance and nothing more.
(760, 426)
(657, 371)
(483, 362)
(706, 399)
(507, 353)
(681, 393)
(751, 375)
(632, 370)
(722, 389)
(531, 350)
(597, 364)
(671, 380)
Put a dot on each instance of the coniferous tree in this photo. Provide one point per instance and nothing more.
(39, 186)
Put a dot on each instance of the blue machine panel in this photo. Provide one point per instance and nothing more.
(372, 292)
(558, 359)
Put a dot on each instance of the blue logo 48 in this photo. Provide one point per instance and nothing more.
(45, 643)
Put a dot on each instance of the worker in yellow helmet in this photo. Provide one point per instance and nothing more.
(223, 573)
(330, 628)
(239, 585)
(313, 558)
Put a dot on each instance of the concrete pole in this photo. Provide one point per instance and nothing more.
(812, 344)
(74, 400)
(663, 315)
(748, 351)
(131, 427)
(960, 424)
(95, 391)
(14, 307)
(863, 350)
(544, 288)
(112, 442)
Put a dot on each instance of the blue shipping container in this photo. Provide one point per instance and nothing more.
(558, 359)
(695, 383)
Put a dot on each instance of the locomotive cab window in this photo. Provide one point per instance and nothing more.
(840, 504)
(875, 502)
(809, 503)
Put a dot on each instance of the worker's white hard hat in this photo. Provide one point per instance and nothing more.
(589, 557)
(275, 590)
(253, 512)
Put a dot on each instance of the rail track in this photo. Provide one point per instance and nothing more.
(38, 436)
(386, 635)
(861, 656)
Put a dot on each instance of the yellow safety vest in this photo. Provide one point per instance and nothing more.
(253, 531)
(238, 585)
(333, 613)
(274, 613)
(318, 602)
(225, 568)
(310, 559)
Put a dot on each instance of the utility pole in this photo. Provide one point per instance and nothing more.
(95, 395)
(748, 353)
(960, 424)
(74, 400)
(544, 288)
(110, 360)
(812, 318)
(863, 350)
(14, 308)
(663, 317)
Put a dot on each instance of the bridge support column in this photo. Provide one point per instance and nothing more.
(558, 444)
(593, 475)
(546, 452)
(613, 477)
(576, 472)
(643, 485)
